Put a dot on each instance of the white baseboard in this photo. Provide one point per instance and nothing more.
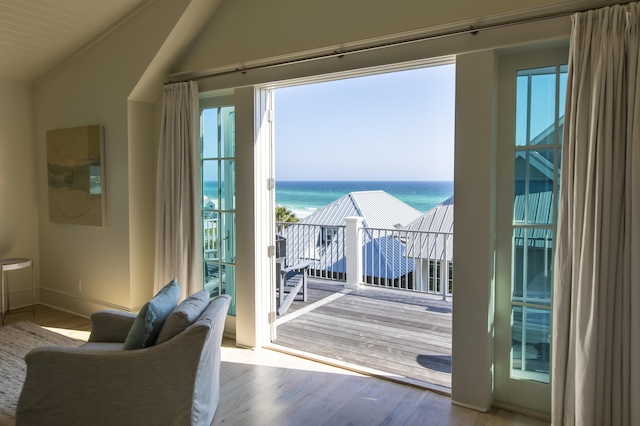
(21, 299)
(81, 306)
(540, 415)
(469, 406)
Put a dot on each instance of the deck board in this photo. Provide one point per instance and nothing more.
(399, 332)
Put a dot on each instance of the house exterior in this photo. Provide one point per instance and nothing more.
(324, 242)
(431, 248)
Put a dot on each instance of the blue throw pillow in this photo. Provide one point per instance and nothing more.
(147, 325)
(184, 315)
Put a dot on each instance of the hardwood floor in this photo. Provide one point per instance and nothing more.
(264, 387)
(56, 320)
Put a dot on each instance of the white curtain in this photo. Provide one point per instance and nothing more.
(596, 339)
(178, 234)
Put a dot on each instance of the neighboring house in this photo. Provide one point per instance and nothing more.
(208, 203)
(325, 242)
(431, 247)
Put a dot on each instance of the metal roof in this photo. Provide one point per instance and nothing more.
(438, 219)
(378, 208)
(539, 212)
(393, 262)
(426, 243)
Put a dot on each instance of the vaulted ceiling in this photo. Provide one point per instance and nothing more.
(37, 35)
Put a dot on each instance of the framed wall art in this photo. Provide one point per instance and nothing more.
(75, 171)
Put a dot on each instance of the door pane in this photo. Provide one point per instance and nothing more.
(209, 131)
(532, 265)
(210, 235)
(530, 350)
(210, 184)
(536, 107)
(534, 186)
(228, 237)
(227, 132)
(227, 185)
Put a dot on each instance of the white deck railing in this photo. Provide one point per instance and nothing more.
(210, 238)
(398, 259)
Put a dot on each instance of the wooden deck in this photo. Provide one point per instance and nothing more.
(401, 334)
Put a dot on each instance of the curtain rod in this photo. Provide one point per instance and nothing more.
(472, 29)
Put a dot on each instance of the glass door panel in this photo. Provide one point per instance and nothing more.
(536, 183)
(218, 198)
(529, 150)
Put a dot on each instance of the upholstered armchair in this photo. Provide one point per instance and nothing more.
(175, 381)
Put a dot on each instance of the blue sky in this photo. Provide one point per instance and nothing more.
(393, 126)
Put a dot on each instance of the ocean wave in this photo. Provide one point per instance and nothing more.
(302, 213)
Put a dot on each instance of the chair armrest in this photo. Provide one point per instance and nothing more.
(111, 326)
(297, 267)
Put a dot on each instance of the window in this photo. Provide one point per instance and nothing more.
(329, 234)
(435, 268)
(218, 198)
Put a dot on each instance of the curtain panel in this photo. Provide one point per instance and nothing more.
(596, 320)
(178, 222)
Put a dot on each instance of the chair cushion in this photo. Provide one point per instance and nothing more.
(147, 325)
(185, 314)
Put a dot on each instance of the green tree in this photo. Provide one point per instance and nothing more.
(283, 214)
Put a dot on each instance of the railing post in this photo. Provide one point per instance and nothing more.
(445, 273)
(354, 252)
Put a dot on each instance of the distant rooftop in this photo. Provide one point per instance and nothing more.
(378, 208)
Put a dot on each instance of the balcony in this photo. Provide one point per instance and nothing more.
(378, 300)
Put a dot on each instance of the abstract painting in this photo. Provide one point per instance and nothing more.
(75, 173)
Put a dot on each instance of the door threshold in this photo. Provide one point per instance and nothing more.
(367, 371)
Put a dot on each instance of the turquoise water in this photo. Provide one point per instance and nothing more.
(304, 197)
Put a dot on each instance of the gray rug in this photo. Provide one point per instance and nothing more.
(16, 340)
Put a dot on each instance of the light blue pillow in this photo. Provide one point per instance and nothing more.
(147, 325)
(184, 315)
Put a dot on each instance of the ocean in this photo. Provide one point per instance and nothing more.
(305, 197)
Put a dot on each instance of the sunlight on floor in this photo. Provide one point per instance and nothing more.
(74, 334)
(270, 358)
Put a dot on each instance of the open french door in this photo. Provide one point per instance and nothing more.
(530, 123)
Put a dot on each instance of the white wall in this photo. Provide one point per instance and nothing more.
(247, 30)
(18, 201)
(93, 88)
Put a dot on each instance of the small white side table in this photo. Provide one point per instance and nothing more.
(11, 264)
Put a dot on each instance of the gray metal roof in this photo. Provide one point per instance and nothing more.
(426, 243)
(378, 208)
(539, 212)
(438, 219)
